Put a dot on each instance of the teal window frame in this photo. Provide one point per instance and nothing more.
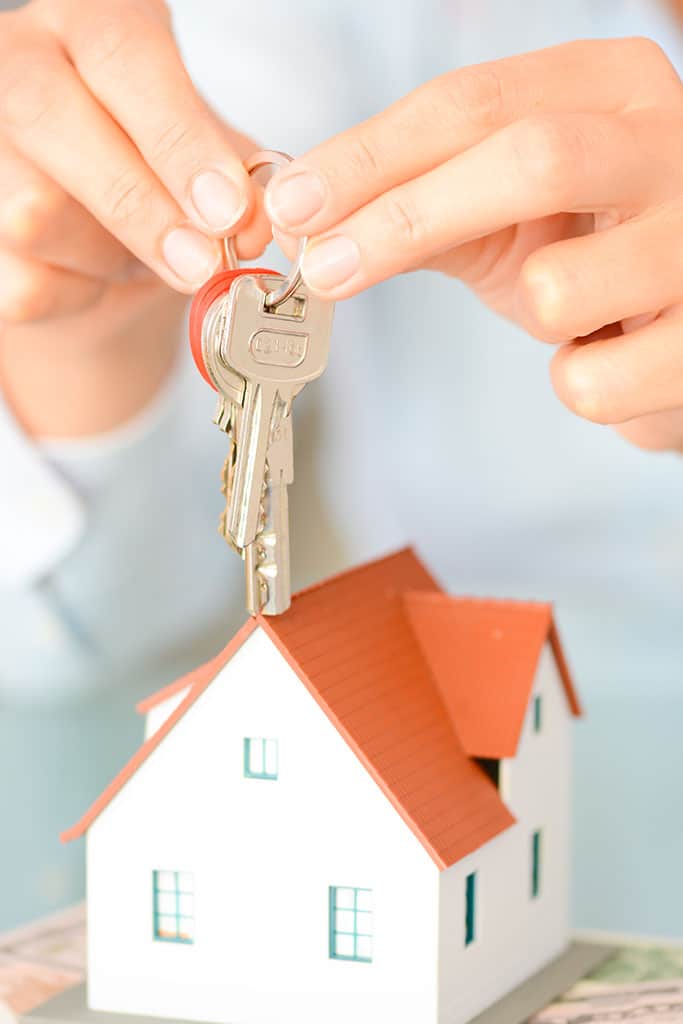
(470, 908)
(538, 713)
(180, 893)
(359, 922)
(250, 745)
(536, 867)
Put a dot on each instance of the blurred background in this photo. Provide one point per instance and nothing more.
(435, 424)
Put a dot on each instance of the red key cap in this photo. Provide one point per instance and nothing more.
(216, 286)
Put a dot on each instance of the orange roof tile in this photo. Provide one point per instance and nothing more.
(351, 644)
(483, 655)
(350, 641)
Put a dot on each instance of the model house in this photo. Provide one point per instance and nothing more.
(358, 812)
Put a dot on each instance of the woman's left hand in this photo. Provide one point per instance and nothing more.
(550, 183)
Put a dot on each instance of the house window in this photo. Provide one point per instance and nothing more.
(260, 759)
(470, 908)
(536, 864)
(538, 713)
(350, 924)
(173, 906)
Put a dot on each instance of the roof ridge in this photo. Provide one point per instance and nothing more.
(353, 571)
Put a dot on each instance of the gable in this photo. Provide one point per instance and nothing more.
(201, 678)
(483, 655)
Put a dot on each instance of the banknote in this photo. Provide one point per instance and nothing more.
(41, 960)
(24, 984)
(642, 983)
(648, 1002)
(640, 962)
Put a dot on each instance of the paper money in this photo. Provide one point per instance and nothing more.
(41, 960)
(56, 941)
(641, 963)
(24, 985)
(649, 1002)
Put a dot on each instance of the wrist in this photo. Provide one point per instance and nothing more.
(84, 375)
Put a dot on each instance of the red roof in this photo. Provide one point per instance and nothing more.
(358, 642)
(483, 656)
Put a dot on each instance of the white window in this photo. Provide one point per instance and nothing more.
(350, 924)
(173, 906)
(260, 759)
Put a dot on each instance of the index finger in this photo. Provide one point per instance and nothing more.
(451, 113)
(126, 54)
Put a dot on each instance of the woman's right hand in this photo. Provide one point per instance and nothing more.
(111, 164)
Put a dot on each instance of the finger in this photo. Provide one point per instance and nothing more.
(39, 220)
(458, 110)
(88, 155)
(658, 432)
(624, 377)
(129, 60)
(572, 288)
(31, 291)
(531, 169)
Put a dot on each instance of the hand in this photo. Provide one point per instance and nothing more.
(110, 162)
(552, 184)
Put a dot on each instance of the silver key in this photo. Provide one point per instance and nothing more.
(266, 560)
(276, 352)
(226, 419)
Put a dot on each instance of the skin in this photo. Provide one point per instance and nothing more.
(106, 219)
(551, 184)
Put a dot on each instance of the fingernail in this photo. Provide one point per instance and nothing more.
(190, 255)
(331, 262)
(219, 201)
(294, 198)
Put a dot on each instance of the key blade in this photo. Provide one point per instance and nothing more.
(267, 564)
(247, 484)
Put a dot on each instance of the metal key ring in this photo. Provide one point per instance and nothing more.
(274, 158)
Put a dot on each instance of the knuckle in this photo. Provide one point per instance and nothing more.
(110, 32)
(549, 154)
(476, 92)
(28, 88)
(543, 291)
(126, 197)
(31, 215)
(177, 137)
(406, 225)
(650, 63)
(362, 159)
(577, 386)
(643, 50)
(22, 299)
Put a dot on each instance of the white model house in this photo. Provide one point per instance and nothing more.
(357, 812)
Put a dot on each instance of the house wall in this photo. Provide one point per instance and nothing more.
(515, 933)
(263, 855)
(157, 715)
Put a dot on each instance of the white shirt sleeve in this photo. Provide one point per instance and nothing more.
(42, 517)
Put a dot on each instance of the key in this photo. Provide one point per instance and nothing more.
(267, 569)
(276, 352)
(258, 358)
(210, 310)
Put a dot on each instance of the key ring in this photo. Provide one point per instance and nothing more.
(267, 158)
(274, 158)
